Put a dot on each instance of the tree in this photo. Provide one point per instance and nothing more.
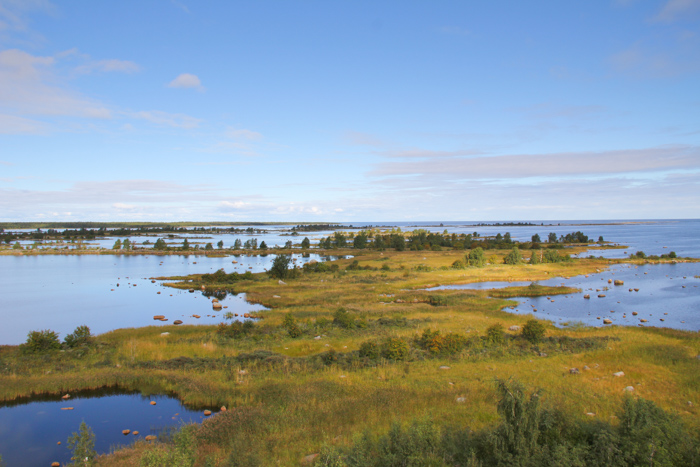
(476, 257)
(306, 243)
(536, 238)
(160, 244)
(263, 245)
(126, 244)
(514, 257)
(237, 244)
(117, 245)
(360, 241)
(185, 245)
(288, 244)
(220, 244)
(280, 267)
(81, 336)
(552, 238)
(208, 246)
(535, 257)
(16, 246)
(379, 242)
(339, 239)
(83, 445)
(42, 341)
(506, 237)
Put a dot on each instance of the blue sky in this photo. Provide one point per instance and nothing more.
(349, 111)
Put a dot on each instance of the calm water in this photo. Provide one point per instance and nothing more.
(31, 429)
(666, 291)
(62, 292)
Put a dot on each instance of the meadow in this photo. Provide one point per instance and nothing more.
(360, 347)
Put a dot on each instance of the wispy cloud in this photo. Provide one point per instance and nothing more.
(675, 9)
(241, 133)
(545, 165)
(13, 125)
(186, 81)
(168, 119)
(112, 65)
(362, 139)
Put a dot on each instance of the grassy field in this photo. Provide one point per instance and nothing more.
(287, 397)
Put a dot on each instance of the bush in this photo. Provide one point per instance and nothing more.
(81, 336)
(514, 257)
(343, 319)
(395, 348)
(42, 341)
(236, 329)
(495, 334)
(533, 331)
(280, 267)
(476, 257)
(83, 445)
(459, 264)
(369, 349)
(436, 343)
(291, 326)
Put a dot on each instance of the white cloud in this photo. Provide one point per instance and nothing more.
(243, 134)
(27, 88)
(675, 9)
(123, 66)
(186, 80)
(123, 206)
(12, 125)
(168, 119)
(233, 205)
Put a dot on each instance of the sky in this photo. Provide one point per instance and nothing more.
(349, 111)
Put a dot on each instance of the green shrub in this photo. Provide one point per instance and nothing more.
(81, 336)
(369, 349)
(395, 348)
(436, 343)
(533, 331)
(343, 319)
(459, 264)
(83, 446)
(514, 257)
(476, 257)
(41, 341)
(291, 326)
(495, 334)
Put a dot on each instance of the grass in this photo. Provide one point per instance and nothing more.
(287, 402)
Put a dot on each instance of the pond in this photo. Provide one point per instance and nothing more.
(668, 296)
(106, 292)
(32, 428)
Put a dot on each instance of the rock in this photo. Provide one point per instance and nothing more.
(634, 313)
(191, 291)
(308, 460)
(223, 408)
(590, 414)
(153, 281)
(177, 321)
(637, 290)
(444, 367)
(461, 400)
(585, 367)
(619, 282)
(609, 281)
(607, 321)
(587, 296)
(158, 317)
(276, 296)
(574, 371)
(643, 320)
(619, 374)
(66, 408)
(55, 464)
(67, 396)
(242, 372)
(207, 413)
(136, 433)
(631, 290)
(281, 282)
(153, 402)
(150, 438)
(542, 354)
(216, 305)
(629, 389)
(514, 328)
(601, 295)
(126, 432)
(59, 443)
(164, 334)
(196, 316)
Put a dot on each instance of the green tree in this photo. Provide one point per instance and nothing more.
(126, 244)
(117, 245)
(517, 437)
(339, 239)
(360, 241)
(16, 246)
(81, 336)
(536, 238)
(160, 244)
(535, 257)
(514, 257)
(237, 244)
(552, 238)
(305, 244)
(208, 246)
(220, 244)
(280, 266)
(263, 245)
(83, 446)
(506, 237)
(185, 245)
(495, 334)
(41, 341)
(476, 257)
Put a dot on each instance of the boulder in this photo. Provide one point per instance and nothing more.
(207, 413)
(643, 320)
(281, 282)
(66, 408)
(67, 396)
(444, 367)
(629, 389)
(619, 282)
(126, 432)
(461, 400)
(135, 433)
(607, 321)
(514, 328)
(619, 374)
(191, 290)
(634, 313)
(153, 402)
(177, 321)
(150, 438)
(601, 295)
(308, 460)
(158, 317)
(223, 408)
(574, 371)
(55, 464)
(587, 296)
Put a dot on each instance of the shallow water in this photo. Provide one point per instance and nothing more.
(666, 291)
(31, 428)
(62, 292)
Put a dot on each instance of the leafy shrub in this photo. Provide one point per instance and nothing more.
(81, 336)
(440, 300)
(395, 348)
(459, 264)
(495, 334)
(280, 267)
(41, 341)
(83, 445)
(476, 257)
(436, 343)
(533, 331)
(291, 326)
(369, 349)
(514, 257)
(236, 329)
(423, 268)
(343, 319)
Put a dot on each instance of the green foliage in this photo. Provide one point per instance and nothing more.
(476, 258)
(80, 337)
(292, 328)
(237, 244)
(126, 244)
(343, 319)
(495, 334)
(117, 245)
(552, 238)
(41, 341)
(306, 243)
(395, 348)
(182, 452)
(263, 245)
(160, 244)
(360, 241)
(536, 238)
(220, 277)
(370, 349)
(459, 264)
(280, 267)
(236, 329)
(442, 344)
(639, 255)
(220, 244)
(533, 331)
(517, 436)
(82, 444)
(513, 257)
(185, 245)
(208, 246)
(440, 300)
(535, 257)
